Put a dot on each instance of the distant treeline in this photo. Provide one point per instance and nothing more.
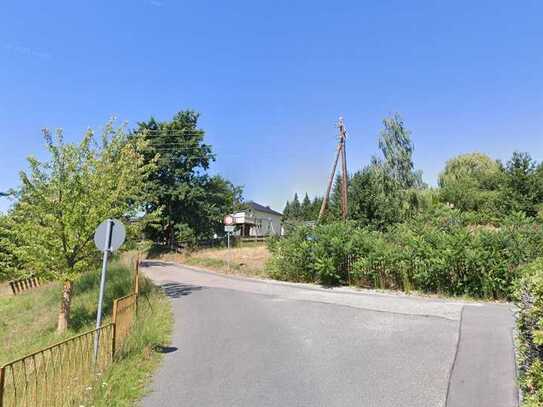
(389, 190)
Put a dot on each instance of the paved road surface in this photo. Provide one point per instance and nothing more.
(247, 343)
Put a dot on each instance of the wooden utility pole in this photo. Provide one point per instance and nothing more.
(341, 152)
(344, 175)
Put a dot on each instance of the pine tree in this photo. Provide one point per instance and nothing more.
(295, 208)
(306, 208)
(286, 211)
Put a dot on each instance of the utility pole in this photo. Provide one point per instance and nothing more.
(344, 175)
(341, 152)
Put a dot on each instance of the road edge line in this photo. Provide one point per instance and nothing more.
(451, 371)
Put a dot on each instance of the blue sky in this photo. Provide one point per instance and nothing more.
(271, 78)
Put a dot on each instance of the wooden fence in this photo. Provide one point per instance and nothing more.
(24, 284)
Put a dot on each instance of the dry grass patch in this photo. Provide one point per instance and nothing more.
(250, 261)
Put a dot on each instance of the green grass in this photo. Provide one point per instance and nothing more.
(126, 380)
(28, 323)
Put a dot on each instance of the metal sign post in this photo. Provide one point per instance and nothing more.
(109, 236)
(229, 229)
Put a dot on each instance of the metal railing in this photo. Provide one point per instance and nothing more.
(65, 374)
(60, 375)
(124, 315)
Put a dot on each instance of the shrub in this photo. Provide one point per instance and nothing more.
(292, 258)
(441, 254)
(529, 297)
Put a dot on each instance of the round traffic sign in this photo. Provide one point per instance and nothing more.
(110, 235)
(228, 220)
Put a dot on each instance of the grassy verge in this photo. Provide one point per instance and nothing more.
(249, 261)
(126, 380)
(529, 296)
(28, 323)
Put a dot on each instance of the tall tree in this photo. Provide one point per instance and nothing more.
(315, 207)
(381, 193)
(63, 200)
(397, 148)
(183, 198)
(306, 208)
(520, 191)
(295, 208)
(376, 199)
(286, 211)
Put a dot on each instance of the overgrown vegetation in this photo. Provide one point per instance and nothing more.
(472, 235)
(529, 295)
(438, 252)
(469, 236)
(125, 382)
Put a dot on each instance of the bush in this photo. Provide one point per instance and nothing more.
(529, 296)
(440, 253)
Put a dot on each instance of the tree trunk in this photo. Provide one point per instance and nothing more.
(64, 314)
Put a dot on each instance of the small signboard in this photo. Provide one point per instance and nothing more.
(117, 234)
(229, 228)
(228, 220)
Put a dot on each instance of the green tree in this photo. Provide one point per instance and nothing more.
(521, 188)
(8, 260)
(295, 209)
(375, 198)
(286, 211)
(63, 200)
(470, 182)
(397, 149)
(316, 207)
(186, 204)
(306, 208)
(385, 192)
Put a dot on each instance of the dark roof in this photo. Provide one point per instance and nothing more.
(262, 208)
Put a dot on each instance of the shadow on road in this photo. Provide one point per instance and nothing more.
(164, 349)
(178, 290)
(154, 263)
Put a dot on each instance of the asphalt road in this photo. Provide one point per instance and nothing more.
(245, 343)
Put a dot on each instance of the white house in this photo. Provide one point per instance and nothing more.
(258, 220)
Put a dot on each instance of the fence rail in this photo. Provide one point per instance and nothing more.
(124, 315)
(24, 284)
(59, 375)
(65, 373)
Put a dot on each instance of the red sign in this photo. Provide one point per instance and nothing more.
(228, 220)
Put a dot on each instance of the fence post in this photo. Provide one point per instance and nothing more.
(114, 335)
(113, 342)
(137, 277)
(2, 372)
